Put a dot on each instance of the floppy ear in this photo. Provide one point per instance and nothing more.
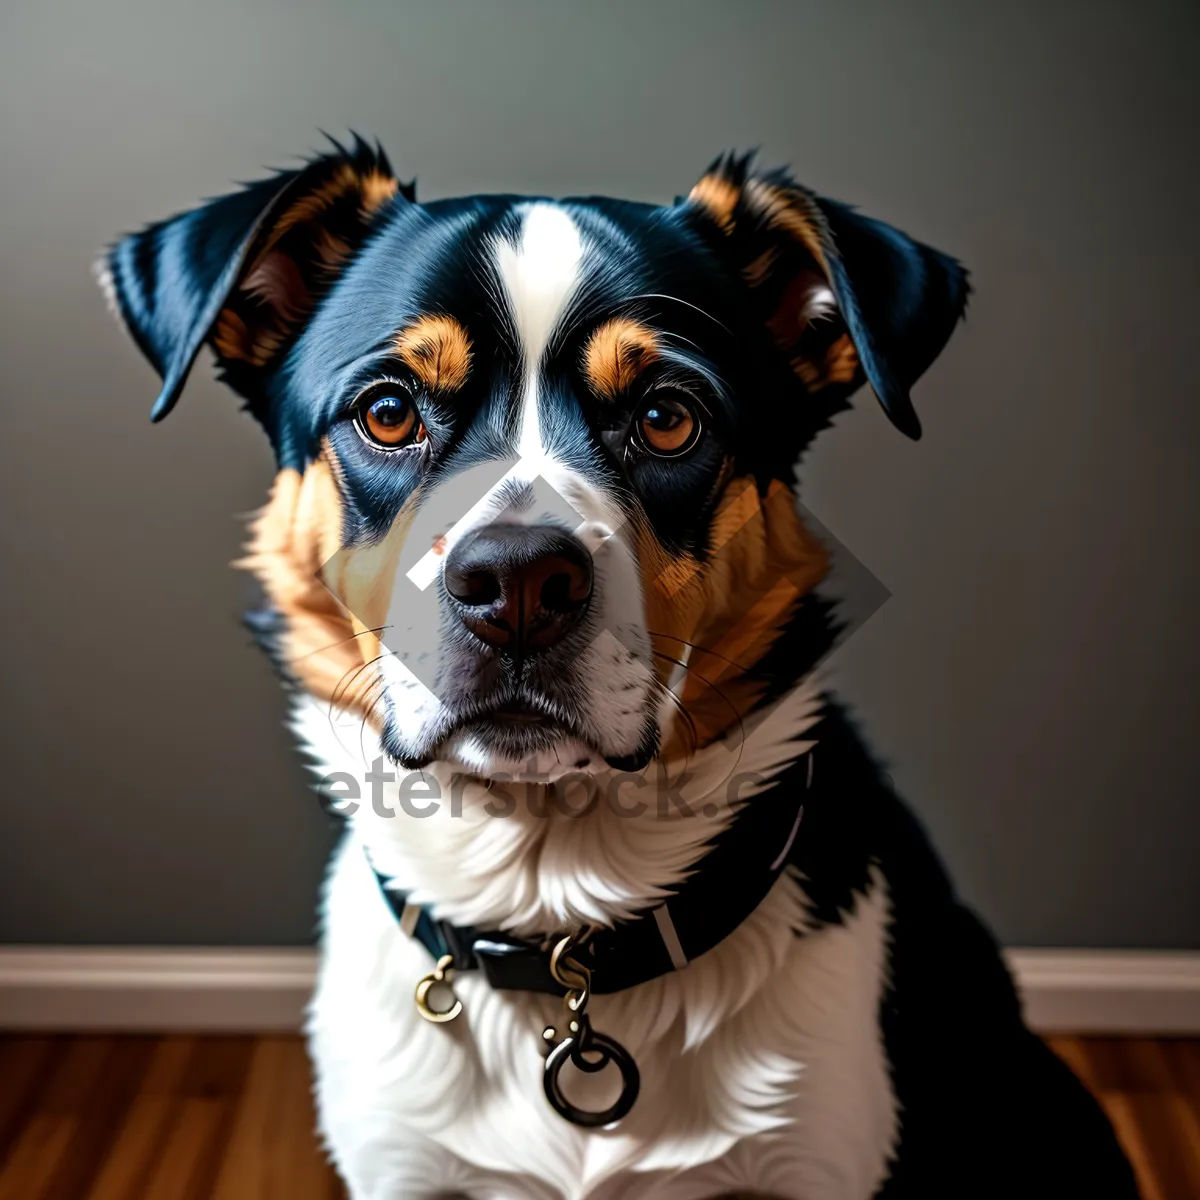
(246, 270)
(845, 297)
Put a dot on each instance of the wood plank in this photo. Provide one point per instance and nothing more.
(1183, 1060)
(26, 1064)
(138, 1142)
(34, 1159)
(194, 1129)
(1176, 1174)
(1120, 1113)
(1152, 1104)
(40, 1147)
(98, 1112)
(1123, 1065)
(273, 1151)
(198, 1131)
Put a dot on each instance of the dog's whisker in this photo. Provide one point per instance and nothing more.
(331, 710)
(674, 637)
(340, 642)
(667, 694)
(344, 684)
(733, 708)
(380, 689)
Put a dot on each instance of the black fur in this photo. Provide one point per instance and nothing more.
(986, 1108)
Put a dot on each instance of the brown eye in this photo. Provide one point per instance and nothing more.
(667, 424)
(390, 420)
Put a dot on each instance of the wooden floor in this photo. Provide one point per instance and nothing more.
(213, 1118)
(176, 1118)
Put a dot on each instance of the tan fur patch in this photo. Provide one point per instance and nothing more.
(437, 350)
(791, 212)
(330, 647)
(377, 189)
(718, 196)
(721, 616)
(231, 338)
(840, 365)
(374, 190)
(616, 355)
(276, 280)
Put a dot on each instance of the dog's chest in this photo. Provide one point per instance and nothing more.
(762, 1067)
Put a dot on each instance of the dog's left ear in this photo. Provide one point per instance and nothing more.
(245, 271)
(846, 298)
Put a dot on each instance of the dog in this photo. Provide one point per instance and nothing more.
(624, 907)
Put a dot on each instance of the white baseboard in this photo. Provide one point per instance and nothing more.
(154, 989)
(1110, 991)
(264, 990)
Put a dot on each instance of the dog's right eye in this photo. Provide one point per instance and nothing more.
(667, 426)
(387, 419)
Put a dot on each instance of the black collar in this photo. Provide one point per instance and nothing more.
(727, 885)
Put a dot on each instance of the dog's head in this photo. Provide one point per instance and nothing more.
(536, 458)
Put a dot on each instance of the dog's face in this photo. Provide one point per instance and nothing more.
(536, 458)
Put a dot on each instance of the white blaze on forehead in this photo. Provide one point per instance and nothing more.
(540, 274)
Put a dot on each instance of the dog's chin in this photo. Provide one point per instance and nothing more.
(543, 759)
(521, 745)
(518, 744)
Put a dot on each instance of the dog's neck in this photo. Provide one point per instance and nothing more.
(536, 857)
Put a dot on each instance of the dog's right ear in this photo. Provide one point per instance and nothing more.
(245, 271)
(846, 298)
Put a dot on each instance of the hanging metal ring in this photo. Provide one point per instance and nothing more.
(581, 1042)
(582, 1046)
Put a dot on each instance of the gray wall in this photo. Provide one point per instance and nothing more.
(1033, 677)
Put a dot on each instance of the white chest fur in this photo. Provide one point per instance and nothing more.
(762, 1066)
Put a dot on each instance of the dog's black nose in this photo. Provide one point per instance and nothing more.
(520, 588)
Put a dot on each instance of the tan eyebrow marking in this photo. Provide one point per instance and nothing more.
(437, 351)
(616, 354)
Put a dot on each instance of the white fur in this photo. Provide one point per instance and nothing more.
(762, 1064)
(540, 275)
(820, 302)
(103, 275)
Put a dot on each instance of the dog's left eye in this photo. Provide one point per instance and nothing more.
(668, 424)
(388, 419)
